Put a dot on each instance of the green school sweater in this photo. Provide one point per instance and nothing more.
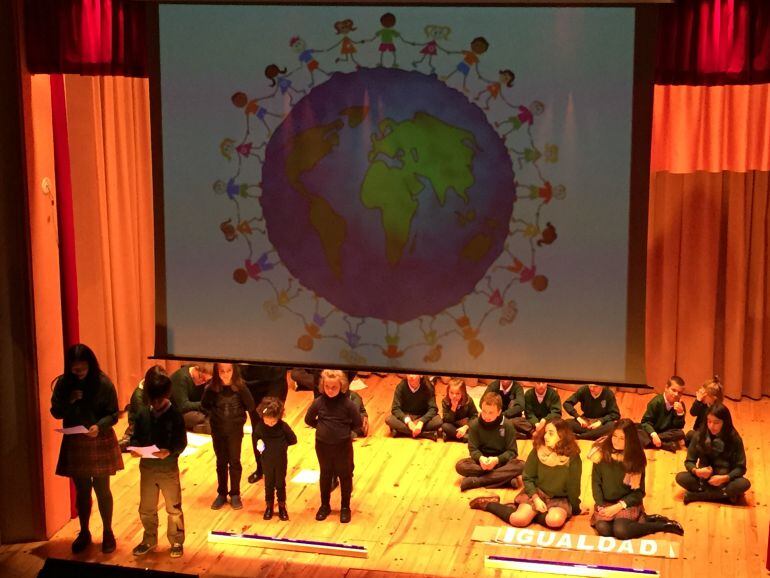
(556, 481)
(549, 409)
(608, 486)
(604, 408)
(513, 401)
(498, 439)
(421, 402)
(658, 419)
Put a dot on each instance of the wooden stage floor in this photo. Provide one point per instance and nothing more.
(409, 512)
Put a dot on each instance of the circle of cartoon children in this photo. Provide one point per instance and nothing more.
(215, 398)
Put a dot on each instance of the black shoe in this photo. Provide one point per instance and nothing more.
(323, 513)
(219, 501)
(143, 548)
(255, 477)
(670, 446)
(108, 543)
(82, 542)
(656, 518)
(268, 515)
(283, 514)
(469, 483)
(235, 502)
(673, 527)
(481, 502)
(345, 515)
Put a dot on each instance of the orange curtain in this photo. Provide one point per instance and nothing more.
(708, 280)
(109, 120)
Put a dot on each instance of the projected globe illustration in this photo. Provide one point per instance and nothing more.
(387, 193)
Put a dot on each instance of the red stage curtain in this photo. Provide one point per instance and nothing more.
(714, 42)
(85, 37)
(708, 259)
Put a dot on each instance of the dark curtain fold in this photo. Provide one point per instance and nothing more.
(714, 42)
(86, 37)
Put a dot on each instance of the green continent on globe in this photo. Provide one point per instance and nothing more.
(402, 155)
(305, 151)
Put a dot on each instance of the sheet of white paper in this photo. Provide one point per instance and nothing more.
(145, 451)
(197, 440)
(357, 385)
(68, 431)
(307, 477)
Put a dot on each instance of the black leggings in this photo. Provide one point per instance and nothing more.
(336, 461)
(100, 485)
(625, 529)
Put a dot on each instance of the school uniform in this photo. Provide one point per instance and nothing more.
(698, 410)
(414, 405)
(513, 406)
(166, 430)
(554, 478)
(603, 409)
(724, 458)
(535, 409)
(661, 418)
(490, 439)
(187, 397)
(452, 420)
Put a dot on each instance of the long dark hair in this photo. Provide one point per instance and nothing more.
(77, 353)
(728, 435)
(567, 445)
(634, 460)
(236, 382)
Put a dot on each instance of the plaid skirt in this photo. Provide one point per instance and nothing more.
(562, 503)
(83, 457)
(631, 513)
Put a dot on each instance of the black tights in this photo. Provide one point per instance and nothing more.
(100, 485)
(625, 529)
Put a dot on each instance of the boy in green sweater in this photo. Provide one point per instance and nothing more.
(159, 423)
(513, 404)
(492, 445)
(541, 405)
(414, 412)
(663, 422)
(187, 386)
(599, 411)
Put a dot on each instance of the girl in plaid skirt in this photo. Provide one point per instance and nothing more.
(85, 396)
(617, 481)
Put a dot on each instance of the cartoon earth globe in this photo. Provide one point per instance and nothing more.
(387, 193)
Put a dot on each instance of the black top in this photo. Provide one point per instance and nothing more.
(227, 408)
(166, 430)
(333, 417)
(277, 439)
(99, 404)
(265, 380)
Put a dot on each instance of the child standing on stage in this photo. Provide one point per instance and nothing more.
(85, 396)
(552, 475)
(334, 416)
(617, 481)
(275, 436)
(160, 423)
(227, 399)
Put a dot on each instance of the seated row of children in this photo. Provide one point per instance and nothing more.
(715, 470)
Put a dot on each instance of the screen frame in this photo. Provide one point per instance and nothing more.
(645, 34)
